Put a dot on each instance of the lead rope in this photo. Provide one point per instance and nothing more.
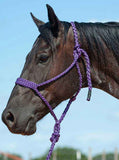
(77, 54)
(29, 84)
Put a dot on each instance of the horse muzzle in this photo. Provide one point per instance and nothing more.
(19, 125)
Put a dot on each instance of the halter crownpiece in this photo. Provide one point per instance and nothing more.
(29, 84)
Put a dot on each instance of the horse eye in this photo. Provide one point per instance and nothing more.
(43, 58)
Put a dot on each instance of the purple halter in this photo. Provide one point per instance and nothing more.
(29, 84)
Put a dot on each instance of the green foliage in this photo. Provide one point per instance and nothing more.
(109, 156)
(63, 154)
(70, 154)
(2, 158)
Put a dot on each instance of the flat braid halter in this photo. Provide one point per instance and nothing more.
(29, 84)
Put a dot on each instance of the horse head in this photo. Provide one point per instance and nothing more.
(50, 55)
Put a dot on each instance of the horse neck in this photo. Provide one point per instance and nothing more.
(104, 66)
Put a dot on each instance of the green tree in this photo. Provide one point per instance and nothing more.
(63, 154)
(109, 156)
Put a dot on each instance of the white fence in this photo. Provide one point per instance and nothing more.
(90, 157)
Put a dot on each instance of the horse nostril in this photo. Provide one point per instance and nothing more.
(9, 119)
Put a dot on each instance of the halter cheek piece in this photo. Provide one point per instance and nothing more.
(29, 84)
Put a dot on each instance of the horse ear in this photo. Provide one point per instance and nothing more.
(37, 21)
(54, 21)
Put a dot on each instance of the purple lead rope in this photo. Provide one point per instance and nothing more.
(29, 84)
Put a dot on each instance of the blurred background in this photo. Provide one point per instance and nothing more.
(90, 128)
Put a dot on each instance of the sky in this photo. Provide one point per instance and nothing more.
(92, 124)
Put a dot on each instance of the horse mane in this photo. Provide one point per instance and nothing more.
(100, 36)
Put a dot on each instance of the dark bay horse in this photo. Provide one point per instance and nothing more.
(51, 54)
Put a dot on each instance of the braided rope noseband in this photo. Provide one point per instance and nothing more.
(29, 84)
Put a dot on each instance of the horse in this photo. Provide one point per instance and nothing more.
(50, 55)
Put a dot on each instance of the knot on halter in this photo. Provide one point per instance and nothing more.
(56, 134)
(77, 52)
(77, 47)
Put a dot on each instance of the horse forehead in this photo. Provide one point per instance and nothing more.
(36, 41)
(39, 45)
(39, 42)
